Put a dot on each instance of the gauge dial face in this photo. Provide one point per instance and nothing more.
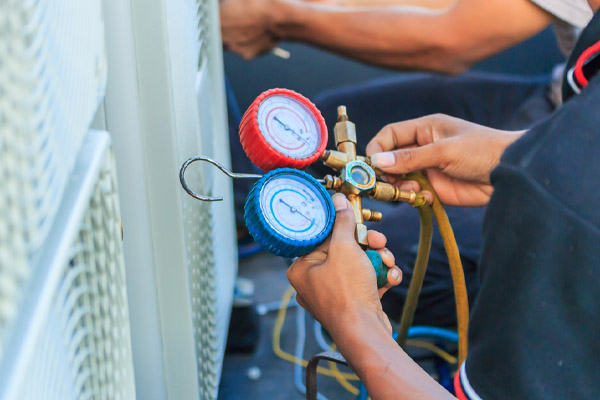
(289, 126)
(294, 207)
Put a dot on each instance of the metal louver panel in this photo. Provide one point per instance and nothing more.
(217, 270)
(204, 24)
(71, 338)
(165, 102)
(52, 77)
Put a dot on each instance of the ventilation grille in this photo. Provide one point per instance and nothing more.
(203, 282)
(83, 350)
(52, 77)
(203, 16)
(207, 283)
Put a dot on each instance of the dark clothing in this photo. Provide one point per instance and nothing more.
(534, 328)
(499, 101)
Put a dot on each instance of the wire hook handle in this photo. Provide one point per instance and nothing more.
(230, 174)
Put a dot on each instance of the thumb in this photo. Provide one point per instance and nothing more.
(409, 160)
(343, 229)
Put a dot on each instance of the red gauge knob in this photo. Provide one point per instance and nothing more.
(282, 128)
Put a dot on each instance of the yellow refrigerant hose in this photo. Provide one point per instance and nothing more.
(418, 275)
(419, 270)
(456, 269)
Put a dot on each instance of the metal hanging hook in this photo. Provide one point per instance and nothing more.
(230, 174)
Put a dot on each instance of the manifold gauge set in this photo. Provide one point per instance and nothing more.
(287, 211)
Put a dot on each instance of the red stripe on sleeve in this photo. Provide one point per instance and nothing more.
(458, 388)
(581, 79)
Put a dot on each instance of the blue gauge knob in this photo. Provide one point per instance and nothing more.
(380, 269)
(289, 213)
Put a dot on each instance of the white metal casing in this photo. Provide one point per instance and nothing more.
(165, 103)
(72, 336)
(46, 104)
(64, 329)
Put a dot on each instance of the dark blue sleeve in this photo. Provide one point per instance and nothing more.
(534, 331)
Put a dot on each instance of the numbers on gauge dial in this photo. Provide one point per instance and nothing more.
(289, 126)
(293, 207)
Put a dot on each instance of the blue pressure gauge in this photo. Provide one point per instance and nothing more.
(289, 213)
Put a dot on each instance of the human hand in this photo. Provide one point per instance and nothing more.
(456, 156)
(337, 279)
(245, 27)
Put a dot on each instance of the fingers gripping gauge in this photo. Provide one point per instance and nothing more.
(289, 213)
(283, 129)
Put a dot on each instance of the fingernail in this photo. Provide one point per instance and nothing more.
(383, 160)
(339, 201)
(395, 273)
(388, 252)
(409, 185)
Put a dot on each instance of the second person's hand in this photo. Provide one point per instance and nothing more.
(456, 156)
(245, 26)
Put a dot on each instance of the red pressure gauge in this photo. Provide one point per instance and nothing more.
(282, 128)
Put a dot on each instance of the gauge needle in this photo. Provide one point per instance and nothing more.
(295, 210)
(287, 128)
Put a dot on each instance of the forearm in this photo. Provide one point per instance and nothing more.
(385, 369)
(369, 34)
(408, 38)
(431, 4)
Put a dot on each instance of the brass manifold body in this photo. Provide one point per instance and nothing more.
(358, 178)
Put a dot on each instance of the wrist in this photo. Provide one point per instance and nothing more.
(360, 338)
(352, 325)
(505, 140)
(496, 144)
(512, 136)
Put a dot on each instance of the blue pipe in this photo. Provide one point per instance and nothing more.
(433, 332)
